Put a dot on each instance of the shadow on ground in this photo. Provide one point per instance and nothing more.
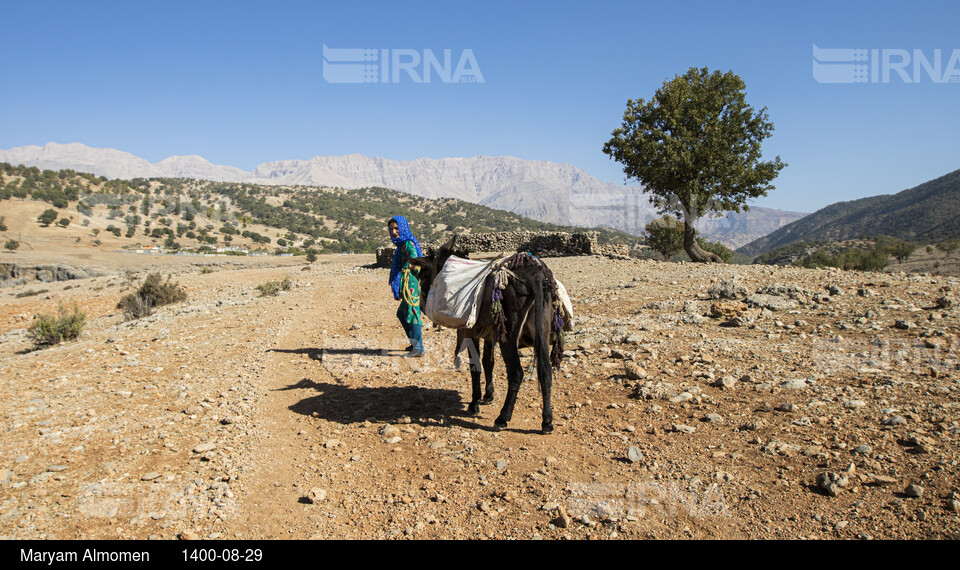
(424, 406)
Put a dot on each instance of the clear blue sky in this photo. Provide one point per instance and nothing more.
(241, 82)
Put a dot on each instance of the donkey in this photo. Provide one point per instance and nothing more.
(527, 315)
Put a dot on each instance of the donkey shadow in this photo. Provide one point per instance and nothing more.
(385, 404)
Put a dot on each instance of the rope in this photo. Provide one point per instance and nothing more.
(406, 292)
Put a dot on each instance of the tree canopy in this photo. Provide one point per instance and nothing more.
(696, 148)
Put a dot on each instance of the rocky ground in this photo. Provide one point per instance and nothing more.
(696, 401)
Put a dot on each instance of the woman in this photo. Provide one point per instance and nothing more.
(404, 282)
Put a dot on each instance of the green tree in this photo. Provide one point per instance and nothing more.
(11, 244)
(3, 224)
(64, 222)
(47, 217)
(695, 146)
(665, 236)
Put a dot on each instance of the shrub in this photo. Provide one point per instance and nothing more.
(271, 288)
(153, 293)
(3, 225)
(46, 329)
(64, 222)
(665, 236)
(11, 244)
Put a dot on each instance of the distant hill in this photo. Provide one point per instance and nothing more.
(185, 213)
(928, 213)
(545, 191)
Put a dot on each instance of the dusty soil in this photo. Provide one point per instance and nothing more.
(233, 415)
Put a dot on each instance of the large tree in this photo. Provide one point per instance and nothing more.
(695, 146)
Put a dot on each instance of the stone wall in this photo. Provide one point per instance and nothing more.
(15, 274)
(543, 244)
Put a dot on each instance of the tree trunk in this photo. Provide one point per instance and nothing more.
(692, 248)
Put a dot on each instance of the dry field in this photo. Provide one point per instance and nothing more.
(233, 415)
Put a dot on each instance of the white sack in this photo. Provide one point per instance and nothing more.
(454, 299)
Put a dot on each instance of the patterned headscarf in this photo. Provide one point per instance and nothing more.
(405, 235)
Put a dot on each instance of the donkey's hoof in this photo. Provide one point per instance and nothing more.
(499, 426)
(486, 400)
(473, 410)
(546, 430)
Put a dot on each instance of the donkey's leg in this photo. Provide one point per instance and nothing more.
(511, 358)
(473, 352)
(489, 347)
(545, 372)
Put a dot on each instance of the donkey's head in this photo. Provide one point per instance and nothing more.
(431, 263)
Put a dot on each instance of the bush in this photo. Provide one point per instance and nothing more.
(153, 293)
(46, 329)
(665, 236)
(271, 288)
(11, 244)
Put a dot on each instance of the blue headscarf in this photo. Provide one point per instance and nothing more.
(405, 235)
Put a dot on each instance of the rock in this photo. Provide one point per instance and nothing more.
(316, 495)
(392, 440)
(634, 371)
(332, 443)
(681, 397)
(57, 468)
(726, 383)
(680, 428)
(772, 302)
(796, 384)
(634, 454)
(863, 449)
(189, 535)
(6, 476)
(205, 447)
(913, 490)
(727, 289)
(501, 464)
(150, 476)
(883, 480)
(727, 310)
(389, 431)
(786, 407)
(894, 421)
(903, 325)
(854, 404)
(832, 482)
(713, 418)
(562, 521)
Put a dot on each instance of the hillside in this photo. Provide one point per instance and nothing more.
(554, 193)
(178, 213)
(928, 213)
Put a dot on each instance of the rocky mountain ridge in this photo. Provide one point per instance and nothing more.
(545, 191)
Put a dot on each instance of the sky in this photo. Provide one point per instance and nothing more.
(244, 82)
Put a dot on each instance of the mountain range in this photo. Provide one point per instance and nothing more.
(927, 213)
(545, 191)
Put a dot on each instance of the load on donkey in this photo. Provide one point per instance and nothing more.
(516, 303)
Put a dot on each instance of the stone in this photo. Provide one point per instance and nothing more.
(796, 384)
(316, 495)
(205, 447)
(713, 418)
(771, 302)
(681, 397)
(150, 476)
(728, 309)
(863, 449)
(854, 404)
(727, 289)
(389, 431)
(913, 490)
(501, 464)
(634, 454)
(562, 521)
(894, 421)
(680, 428)
(634, 371)
(832, 482)
(786, 407)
